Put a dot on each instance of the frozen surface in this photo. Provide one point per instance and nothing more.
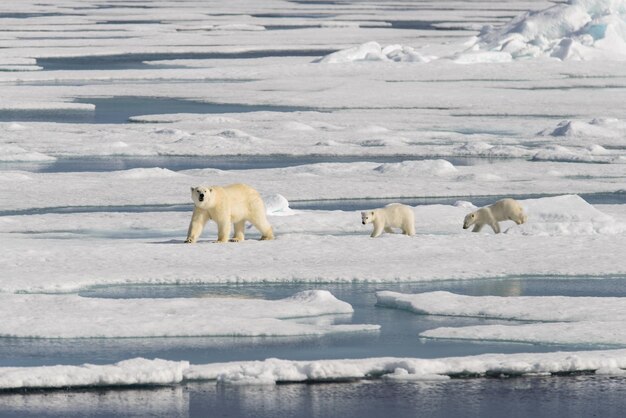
(328, 246)
(141, 371)
(561, 320)
(136, 372)
(70, 316)
(273, 370)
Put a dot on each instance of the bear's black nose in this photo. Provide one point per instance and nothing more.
(363, 222)
(201, 197)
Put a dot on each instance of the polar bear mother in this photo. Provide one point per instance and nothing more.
(234, 204)
(502, 210)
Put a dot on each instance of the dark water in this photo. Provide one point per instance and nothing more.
(564, 396)
(600, 198)
(136, 61)
(121, 109)
(539, 397)
(220, 162)
(398, 336)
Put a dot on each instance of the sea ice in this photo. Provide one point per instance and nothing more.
(71, 316)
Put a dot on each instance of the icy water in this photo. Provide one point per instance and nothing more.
(138, 61)
(398, 336)
(553, 397)
(220, 162)
(565, 396)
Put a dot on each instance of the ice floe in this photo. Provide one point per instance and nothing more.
(140, 371)
(274, 370)
(71, 316)
(132, 372)
(561, 320)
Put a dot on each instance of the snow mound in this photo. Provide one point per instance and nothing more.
(576, 30)
(137, 371)
(277, 205)
(14, 126)
(596, 128)
(564, 320)
(373, 51)
(593, 153)
(72, 316)
(10, 152)
(146, 173)
(565, 215)
(424, 167)
(297, 126)
(272, 371)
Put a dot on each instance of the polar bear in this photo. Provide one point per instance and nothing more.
(502, 210)
(394, 215)
(233, 204)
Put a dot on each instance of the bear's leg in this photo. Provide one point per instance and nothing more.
(477, 227)
(198, 220)
(263, 226)
(388, 230)
(223, 231)
(408, 229)
(378, 229)
(496, 227)
(239, 231)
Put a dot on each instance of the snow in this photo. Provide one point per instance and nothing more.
(71, 316)
(137, 371)
(373, 51)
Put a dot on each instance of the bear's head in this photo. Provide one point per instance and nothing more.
(367, 217)
(202, 196)
(469, 220)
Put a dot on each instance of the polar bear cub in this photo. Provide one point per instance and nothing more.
(502, 210)
(394, 215)
(234, 204)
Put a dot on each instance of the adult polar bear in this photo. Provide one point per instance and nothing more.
(502, 210)
(233, 204)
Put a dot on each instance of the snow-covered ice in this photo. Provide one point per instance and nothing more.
(71, 316)
(140, 371)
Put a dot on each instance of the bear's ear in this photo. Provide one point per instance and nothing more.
(192, 189)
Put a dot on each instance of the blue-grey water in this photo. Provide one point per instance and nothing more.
(398, 336)
(563, 396)
(220, 162)
(137, 60)
(537, 397)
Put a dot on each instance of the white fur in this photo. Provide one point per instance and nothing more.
(234, 204)
(502, 210)
(394, 215)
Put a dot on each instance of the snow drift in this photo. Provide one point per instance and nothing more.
(373, 51)
(576, 30)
